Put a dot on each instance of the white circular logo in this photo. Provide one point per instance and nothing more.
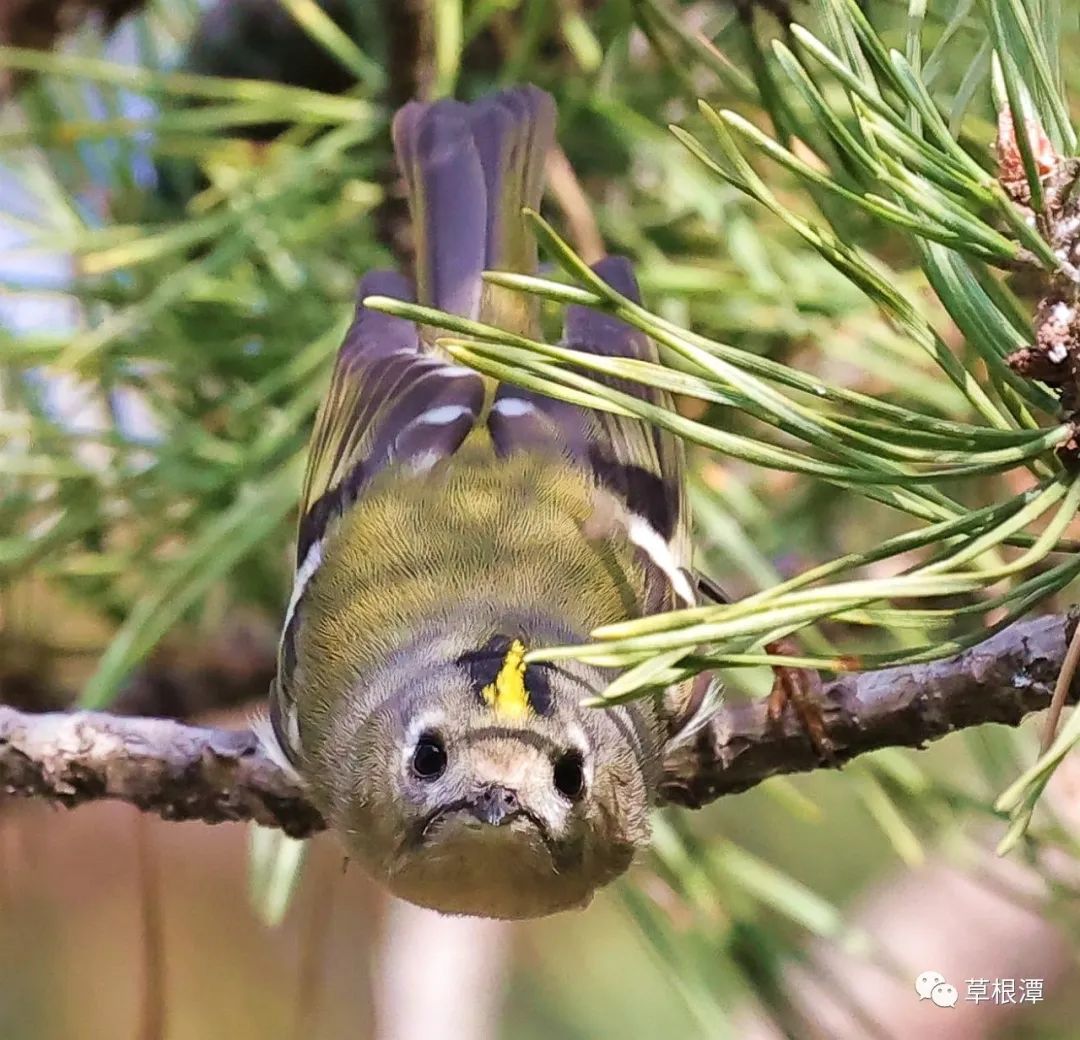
(925, 983)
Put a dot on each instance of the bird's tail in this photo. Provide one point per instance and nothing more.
(470, 169)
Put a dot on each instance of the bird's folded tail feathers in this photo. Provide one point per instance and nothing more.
(470, 169)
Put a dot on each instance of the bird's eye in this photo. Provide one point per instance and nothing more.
(429, 757)
(570, 775)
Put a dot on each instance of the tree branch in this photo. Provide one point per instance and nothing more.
(189, 773)
(1001, 680)
(179, 772)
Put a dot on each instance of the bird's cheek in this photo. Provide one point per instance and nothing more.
(563, 821)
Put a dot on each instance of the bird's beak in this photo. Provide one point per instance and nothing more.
(495, 805)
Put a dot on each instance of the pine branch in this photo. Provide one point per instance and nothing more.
(1001, 680)
(185, 772)
(178, 771)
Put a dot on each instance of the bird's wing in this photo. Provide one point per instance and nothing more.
(640, 464)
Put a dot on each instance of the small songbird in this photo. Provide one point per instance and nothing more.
(449, 525)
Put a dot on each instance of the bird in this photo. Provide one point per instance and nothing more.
(451, 523)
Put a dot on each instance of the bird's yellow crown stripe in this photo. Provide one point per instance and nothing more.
(508, 695)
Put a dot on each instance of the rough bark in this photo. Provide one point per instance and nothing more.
(179, 772)
(1001, 680)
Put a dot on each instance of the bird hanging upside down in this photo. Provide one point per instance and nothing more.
(450, 524)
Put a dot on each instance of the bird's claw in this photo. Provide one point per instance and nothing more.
(801, 689)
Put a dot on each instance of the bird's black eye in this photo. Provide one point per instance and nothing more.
(429, 758)
(570, 775)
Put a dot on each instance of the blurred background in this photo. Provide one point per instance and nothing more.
(188, 193)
